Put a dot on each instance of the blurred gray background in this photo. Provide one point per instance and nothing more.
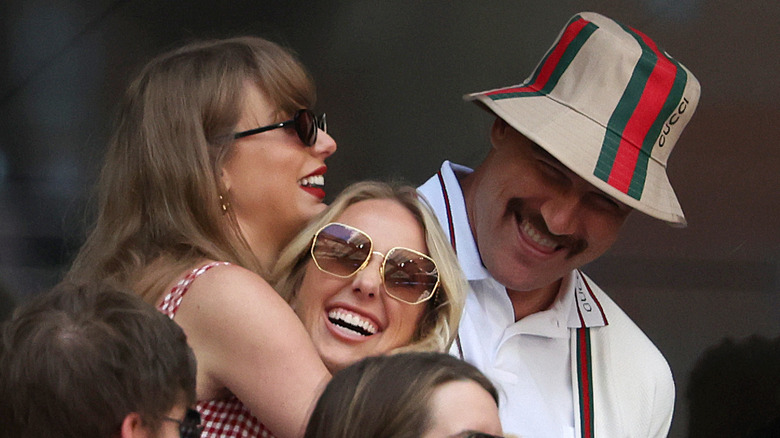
(390, 76)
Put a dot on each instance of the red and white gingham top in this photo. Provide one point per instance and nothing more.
(223, 418)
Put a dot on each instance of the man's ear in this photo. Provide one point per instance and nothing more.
(499, 129)
(133, 427)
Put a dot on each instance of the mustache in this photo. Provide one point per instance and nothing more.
(575, 245)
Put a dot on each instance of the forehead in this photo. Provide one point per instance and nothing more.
(256, 107)
(387, 222)
(463, 405)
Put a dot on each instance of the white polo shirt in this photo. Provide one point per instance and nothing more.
(529, 361)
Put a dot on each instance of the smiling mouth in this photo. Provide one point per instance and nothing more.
(313, 181)
(533, 228)
(351, 322)
(538, 237)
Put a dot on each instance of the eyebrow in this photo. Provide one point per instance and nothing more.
(548, 156)
(536, 149)
(469, 432)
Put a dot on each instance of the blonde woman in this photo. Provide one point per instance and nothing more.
(372, 275)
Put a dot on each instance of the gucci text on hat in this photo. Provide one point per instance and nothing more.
(609, 104)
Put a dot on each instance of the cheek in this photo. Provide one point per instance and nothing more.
(603, 233)
(315, 289)
(285, 162)
(307, 294)
(406, 319)
(610, 228)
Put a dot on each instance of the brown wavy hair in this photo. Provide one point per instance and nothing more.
(159, 207)
(388, 396)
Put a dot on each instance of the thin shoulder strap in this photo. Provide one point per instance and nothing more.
(170, 304)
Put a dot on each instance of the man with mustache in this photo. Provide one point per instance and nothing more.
(575, 148)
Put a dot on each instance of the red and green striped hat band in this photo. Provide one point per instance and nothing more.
(609, 104)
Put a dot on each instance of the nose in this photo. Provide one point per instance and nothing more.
(325, 145)
(368, 281)
(561, 213)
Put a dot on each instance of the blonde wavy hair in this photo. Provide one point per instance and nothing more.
(439, 325)
(159, 192)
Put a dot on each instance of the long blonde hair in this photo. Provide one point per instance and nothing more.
(439, 325)
(159, 190)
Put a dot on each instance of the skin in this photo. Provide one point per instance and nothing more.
(389, 224)
(233, 319)
(133, 425)
(249, 342)
(534, 220)
(170, 429)
(460, 406)
(264, 176)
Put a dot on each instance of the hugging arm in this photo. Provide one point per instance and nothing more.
(248, 341)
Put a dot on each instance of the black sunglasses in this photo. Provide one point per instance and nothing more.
(305, 122)
(190, 426)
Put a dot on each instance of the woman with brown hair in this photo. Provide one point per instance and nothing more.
(408, 395)
(216, 162)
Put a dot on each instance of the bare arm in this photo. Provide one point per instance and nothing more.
(247, 338)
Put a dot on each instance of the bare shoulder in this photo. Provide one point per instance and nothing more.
(229, 302)
(229, 291)
(247, 340)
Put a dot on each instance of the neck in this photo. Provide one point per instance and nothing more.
(468, 186)
(266, 248)
(265, 253)
(527, 303)
(266, 244)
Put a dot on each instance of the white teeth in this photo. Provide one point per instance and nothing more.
(353, 320)
(537, 236)
(314, 180)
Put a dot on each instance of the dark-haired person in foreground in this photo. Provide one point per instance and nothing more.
(95, 362)
(575, 148)
(414, 394)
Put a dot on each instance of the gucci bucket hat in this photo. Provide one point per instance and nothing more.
(609, 104)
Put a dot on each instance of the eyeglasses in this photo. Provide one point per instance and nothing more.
(190, 426)
(407, 275)
(305, 122)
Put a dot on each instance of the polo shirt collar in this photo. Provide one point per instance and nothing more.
(465, 245)
(586, 310)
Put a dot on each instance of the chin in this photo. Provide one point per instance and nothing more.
(313, 211)
(517, 283)
(336, 366)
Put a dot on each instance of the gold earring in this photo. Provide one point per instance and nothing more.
(224, 204)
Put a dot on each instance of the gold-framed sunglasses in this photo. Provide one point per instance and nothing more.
(407, 275)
